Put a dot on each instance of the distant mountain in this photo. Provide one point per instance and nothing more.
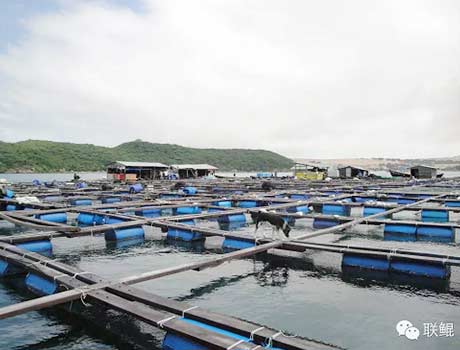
(48, 156)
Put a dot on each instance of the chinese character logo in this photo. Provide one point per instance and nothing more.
(443, 329)
(407, 329)
(430, 329)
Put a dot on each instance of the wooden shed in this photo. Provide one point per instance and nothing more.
(187, 171)
(132, 171)
(423, 172)
(309, 172)
(349, 172)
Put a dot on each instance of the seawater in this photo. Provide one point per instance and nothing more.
(308, 296)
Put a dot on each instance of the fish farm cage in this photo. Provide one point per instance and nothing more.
(214, 215)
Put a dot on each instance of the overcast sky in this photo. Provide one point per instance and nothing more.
(306, 78)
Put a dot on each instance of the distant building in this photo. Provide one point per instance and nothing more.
(309, 172)
(132, 171)
(349, 172)
(423, 172)
(187, 171)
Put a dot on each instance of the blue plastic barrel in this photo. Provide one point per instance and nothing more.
(232, 218)
(322, 223)
(247, 204)
(187, 210)
(433, 215)
(78, 202)
(53, 217)
(336, 209)
(136, 188)
(40, 285)
(124, 234)
(189, 190)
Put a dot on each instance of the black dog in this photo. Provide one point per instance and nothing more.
(178, 185)
(267, 186)
(274, 219)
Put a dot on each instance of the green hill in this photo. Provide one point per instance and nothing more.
(48, 156)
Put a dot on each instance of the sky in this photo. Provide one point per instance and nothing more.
(305, 78)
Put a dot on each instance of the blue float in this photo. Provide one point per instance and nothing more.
(53, 217)
(36, 182)
(420, 269)
(247, 204)
(78, 202)
(365, 262)
(81, 185)
(113, 220)
(401, 200)
(226, 204)
(11, 207)
(237, 244)
(136, 188)
(452, 204)
(124, 234)
(322, 223)
(176, 342)
(436, 232)
(299, 209)
(396, 265)
(299, 196)
(184, 235)
(108, 200)
(433, 215)
(9, 193)
(41, 247)
(187, 210)
(400, 228)
(86, 219)
(189, 190)
(40, 285)
(364, 199)
(149, 213)
(368, 211)
(7, 269)
(232, 218)
(336, 209)
(215, 210)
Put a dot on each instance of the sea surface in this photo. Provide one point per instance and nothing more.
(308, 295)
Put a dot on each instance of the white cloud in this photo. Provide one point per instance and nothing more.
(304, 78)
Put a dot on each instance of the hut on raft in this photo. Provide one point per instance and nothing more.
(423, 172)
(309, 172)
(349, 172)
(187, 171)
(133, 171)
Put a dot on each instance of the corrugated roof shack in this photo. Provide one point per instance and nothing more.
(132, 171)
(349, 172)
(187, 171)
(309, 172)
(423, 172)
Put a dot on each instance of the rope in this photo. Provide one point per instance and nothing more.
(270, 340)
(235, 344)
(161, 322)
(83, 296)
(189, 309)
(251, 337)
(57, 276)
(80, 273)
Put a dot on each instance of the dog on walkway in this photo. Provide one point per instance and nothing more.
(273, 219)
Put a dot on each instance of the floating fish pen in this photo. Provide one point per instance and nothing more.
(215, 215)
